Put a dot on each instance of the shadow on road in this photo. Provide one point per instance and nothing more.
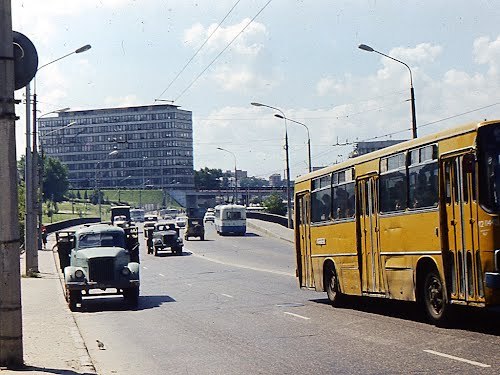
(46, 370)
(168, 253)
(117, 303)
(464, 318)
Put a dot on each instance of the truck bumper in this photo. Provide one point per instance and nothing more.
(83, 285)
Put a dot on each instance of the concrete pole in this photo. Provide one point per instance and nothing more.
(11, 330)
(29, 218)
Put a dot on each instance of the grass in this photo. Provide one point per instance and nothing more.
(151, 199)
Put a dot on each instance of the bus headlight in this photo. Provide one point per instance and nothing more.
(125, 271)
(79, 274)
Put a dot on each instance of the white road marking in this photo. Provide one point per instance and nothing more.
(162, 275)
(245, 267)
(145, 267)
(226, 295)
(457, 358)
(297, 315)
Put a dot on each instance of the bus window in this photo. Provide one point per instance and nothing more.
(423, 178)
(393, 184)
(321, 199)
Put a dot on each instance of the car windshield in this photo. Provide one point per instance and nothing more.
(104, 239)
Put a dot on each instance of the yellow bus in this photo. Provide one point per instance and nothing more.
(416, 221)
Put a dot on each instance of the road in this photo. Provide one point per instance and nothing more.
(231, 305)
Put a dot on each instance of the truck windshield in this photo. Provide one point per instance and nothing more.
(489, 167)
(107, 239)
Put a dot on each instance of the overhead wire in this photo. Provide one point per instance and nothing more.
(221, 52)
(198, 50)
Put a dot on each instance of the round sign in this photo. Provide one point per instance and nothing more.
(25, 60)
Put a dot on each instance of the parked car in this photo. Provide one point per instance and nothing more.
(100, 259)
(194, 228)
(209, 216)
(180, 221)
(165, 236)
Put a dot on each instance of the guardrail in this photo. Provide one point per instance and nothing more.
(54, 227)
(272, 218)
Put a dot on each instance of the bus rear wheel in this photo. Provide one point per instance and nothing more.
(332, 286)
(433, 298)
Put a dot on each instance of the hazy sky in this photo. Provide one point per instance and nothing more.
(299, 56)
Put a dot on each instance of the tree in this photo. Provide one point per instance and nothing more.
(275, 204)
(55, 179)
(253, 182)
(208, 179)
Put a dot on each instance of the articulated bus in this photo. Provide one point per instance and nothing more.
(416, 221)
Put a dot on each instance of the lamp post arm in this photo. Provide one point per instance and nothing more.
(399, 61)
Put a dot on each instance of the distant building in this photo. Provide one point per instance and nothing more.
(123, 147)
(366, 147)
(275, 180)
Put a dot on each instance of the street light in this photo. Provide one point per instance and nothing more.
(235, 174)
(308, 137)
(32, 162)
(364, 47)
(288, 197)
(119, 186)
(112, 153)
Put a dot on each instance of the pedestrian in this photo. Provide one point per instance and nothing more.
(44, 236)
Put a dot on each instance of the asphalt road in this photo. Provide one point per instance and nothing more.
(231, 305)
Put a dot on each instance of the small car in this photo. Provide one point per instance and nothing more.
(194, 228)
(165, 236)
(209, 216)
(180, 221)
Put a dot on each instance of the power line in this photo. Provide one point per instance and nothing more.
(221, 52)
(198, 50)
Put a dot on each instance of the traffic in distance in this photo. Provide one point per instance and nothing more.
(417, 221)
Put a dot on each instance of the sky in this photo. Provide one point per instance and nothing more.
(301, 56)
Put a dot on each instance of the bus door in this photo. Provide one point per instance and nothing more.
(371, 268)
(304, 260)
(464, 275)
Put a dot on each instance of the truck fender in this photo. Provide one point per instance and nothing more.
(69, 274)
(134, 270)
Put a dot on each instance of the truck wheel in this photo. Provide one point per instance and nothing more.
(73, 297)
(178, 250)
(156, 251)
(202, 237)
(131, 295)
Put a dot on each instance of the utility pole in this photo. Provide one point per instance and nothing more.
(11, 332)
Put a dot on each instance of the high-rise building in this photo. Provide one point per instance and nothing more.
(145, 146)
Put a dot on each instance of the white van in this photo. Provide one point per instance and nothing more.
(230, 218)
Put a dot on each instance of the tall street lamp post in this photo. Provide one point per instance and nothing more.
(308, 137)
(34, 160)
(364, 47)
(288, 196)
(119, 186)
(235, 174)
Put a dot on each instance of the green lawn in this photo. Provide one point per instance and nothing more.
(80, 208)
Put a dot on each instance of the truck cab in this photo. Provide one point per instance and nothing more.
(101, 260)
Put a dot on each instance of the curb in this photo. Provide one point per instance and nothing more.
(267, 232)
(82, 353)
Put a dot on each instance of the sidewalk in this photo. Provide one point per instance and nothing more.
(51, 339)
(271, 229)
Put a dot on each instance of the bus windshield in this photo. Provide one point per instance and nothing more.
(489, 167)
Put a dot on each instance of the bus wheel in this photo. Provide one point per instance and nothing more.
(332, 286)
(434, 302)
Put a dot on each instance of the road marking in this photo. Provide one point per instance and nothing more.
(226, 295)
(162, 275)
(245, 267)
(457, 358)
(297, 315)
(145, 267)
